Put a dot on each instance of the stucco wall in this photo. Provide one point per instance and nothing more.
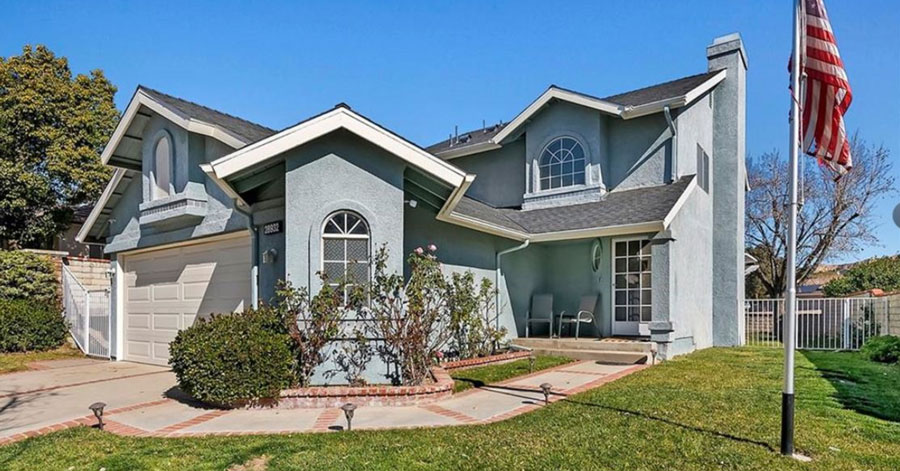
(500, 174)
(569, 275)
(124, 231)
(340, 172)
(694, 126)
(640, 151)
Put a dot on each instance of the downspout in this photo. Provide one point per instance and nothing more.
(497, 281)
(254, 257)
(671, 122)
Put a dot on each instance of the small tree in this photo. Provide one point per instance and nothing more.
(472, 315)
(311, 324)
(412, 320)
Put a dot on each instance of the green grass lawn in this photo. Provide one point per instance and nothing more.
(712, 410)
(10, 362)
(479, 376)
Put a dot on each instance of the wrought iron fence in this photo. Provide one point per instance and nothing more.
(822, 323)
(87, 313)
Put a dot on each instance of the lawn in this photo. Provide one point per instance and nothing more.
(479, 376)
(10, 362)
(714, 409)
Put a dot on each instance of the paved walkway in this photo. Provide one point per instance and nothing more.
(138, 405)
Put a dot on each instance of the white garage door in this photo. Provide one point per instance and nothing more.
(165, 290)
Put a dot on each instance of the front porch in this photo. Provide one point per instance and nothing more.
(610, 350)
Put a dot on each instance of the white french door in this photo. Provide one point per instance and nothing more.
(632, 295)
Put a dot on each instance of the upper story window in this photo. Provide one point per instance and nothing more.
(162, 167)
(702, 168)
(561, 164)
(345, 248)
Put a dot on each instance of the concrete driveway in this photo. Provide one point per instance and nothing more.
(63, 391)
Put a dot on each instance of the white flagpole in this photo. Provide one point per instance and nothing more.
(787, 395)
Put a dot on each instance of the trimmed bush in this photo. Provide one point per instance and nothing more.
(884, 349)
(26, 325)
(233, 359)
(26, 275)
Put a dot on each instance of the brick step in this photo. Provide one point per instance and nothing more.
(600, 356)
(606, 345)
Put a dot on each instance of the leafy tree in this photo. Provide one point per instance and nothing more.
(882, 273)
(835, 217)
(53, 127)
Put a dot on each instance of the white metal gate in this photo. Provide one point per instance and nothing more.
(87, 313)
(822, 323)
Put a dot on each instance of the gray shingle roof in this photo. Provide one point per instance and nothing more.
(241, 128)
(642, 96)
(662, 91)
(633, 206)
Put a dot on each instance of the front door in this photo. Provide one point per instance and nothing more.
(632, 295)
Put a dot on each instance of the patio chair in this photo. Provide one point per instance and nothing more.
(541, 312)
(585, 314)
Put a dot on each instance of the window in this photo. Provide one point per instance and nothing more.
(561, 164)
(632, 269)
(162, 168)
(345, 248)
(702, 168)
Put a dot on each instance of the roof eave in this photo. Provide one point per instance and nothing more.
(85, 229)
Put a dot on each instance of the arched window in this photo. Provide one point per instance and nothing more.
(561, 164)
(162, 167)
(345, 248)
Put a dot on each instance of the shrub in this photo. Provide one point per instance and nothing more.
(232, 359)
(26, 275)
(881, 272)
(28, 325)
(884, 349)
(473, 318)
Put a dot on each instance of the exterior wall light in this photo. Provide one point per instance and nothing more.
(545, 388)
(348, 409)
(97, 409)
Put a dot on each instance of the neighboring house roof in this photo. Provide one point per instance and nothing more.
(632, 104)
(619, 211)
(247, 130)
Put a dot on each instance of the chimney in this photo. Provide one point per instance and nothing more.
(728, 186)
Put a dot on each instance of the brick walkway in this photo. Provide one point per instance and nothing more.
(492, 403)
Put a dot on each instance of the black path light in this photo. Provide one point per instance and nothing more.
(545, 388)
(97, 409)
(531, 359)
(348, 409)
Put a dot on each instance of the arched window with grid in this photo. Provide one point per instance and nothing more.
(345, 248)
(561, 164)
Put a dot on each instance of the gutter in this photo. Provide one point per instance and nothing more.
(254, 257)
(500, 254)
(674, 172)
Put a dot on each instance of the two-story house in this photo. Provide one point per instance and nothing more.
(637, 198)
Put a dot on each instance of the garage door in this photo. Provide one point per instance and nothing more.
(165, 290)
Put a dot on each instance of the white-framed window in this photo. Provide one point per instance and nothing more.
(632, 293)
(162, 168)
(561, 164)
(345, 248)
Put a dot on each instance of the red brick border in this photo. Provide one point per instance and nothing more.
(174, 428)
(470, 362)
(326, 419)
(335, 396)
(443, 411)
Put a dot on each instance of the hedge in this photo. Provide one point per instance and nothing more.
(26, 326)
(232, 359)
(26, 275)
(884, 349)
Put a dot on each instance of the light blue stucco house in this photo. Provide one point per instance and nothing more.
(636, 198)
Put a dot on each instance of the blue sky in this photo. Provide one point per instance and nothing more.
(420, 68)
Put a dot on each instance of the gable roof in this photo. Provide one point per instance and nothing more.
(626, 211)
(248, 131)
(631, 104)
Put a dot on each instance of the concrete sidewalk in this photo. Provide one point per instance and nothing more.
(180, 418)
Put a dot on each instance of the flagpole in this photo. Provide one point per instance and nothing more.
(787, 395)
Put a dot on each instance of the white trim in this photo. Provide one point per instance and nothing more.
(101, 203)
(208, 170)
(612, 287)
(190, 124)
(338, 118)
(483, 226)
(620, 229)
(119, 275)
(184, 243)
(559, 94)
(680, 202)
(345, 237)
(674, 102)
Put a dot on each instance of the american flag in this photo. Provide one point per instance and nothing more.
(826, 93)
